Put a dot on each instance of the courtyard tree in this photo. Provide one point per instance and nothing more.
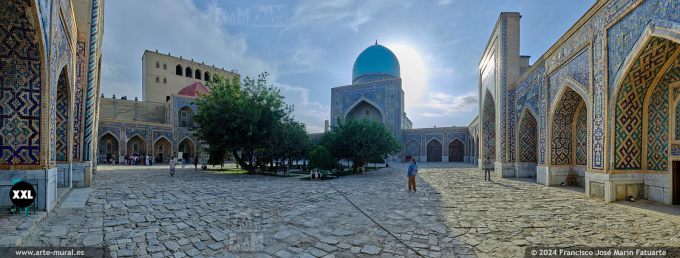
(321, 158)
(360, 141)
(242, 117)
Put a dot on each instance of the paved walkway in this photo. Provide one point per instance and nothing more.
(145, 212)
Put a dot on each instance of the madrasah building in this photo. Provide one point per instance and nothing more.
(161, 123)
(599, 110)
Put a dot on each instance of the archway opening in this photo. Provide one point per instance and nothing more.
(62, 118)
(434, 151)
(569, 137)
(178, 70)
(108, 149)
(136, 146)
(198, 74)
(365, 110)
(162, 150)
(489, 128)
(456, 151)
(528, 145)
(20, 128)
(412, 151)
(644, 95)
(187, 72)
(186, 149)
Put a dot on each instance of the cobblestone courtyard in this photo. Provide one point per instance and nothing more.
(145, 212)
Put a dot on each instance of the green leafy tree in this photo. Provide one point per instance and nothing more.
(321, 158)
(240, 117)
(360, 141)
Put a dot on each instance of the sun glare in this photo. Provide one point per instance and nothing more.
(413, 73)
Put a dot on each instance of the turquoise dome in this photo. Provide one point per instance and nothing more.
(375, 59)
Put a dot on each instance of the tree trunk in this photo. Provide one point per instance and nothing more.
(242, 163)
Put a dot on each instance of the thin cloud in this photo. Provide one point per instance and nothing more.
(442, 104)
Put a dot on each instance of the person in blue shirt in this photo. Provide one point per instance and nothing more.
(412, 172)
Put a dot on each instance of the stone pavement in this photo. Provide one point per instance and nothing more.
(141, 211)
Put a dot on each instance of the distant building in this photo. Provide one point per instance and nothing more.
(161, 124)
(376, 94)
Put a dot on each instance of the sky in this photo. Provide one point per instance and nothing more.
(309, 46)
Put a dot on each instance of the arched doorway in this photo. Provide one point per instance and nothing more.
(412, 151)
(488, 127)
(186, 147)
(162, 150)
(434, 151)
(644, 93)
(62, 118)
(22, 76)
(569, 134)
(136, 145)
(365, 110)
(527, 135)
(108, 149)
(456, 151)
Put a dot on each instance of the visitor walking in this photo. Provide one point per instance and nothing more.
(412, 172)
(173, 163)
(487, 166)
(196, 162)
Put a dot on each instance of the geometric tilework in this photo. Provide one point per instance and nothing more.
(657, 128)
(78, 98)
(628, 113)
(677, 121)
(577, 69)
(562, 127)
(528, 129)
(489, 127)
(61, 149)
(20, 85)
(626, 32)
(412, 149)
(582, 137)
(60, 53)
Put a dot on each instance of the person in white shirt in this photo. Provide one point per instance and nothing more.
(173, 163)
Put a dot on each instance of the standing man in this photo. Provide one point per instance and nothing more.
(412, 172)
(173, 163)
(196, 162)
(487, 166)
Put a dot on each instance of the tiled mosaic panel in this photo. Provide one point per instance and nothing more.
(45, 8)
(528, 133)
(78, 98)
(626, 32)
(20, 85)
(577, 69)
(412, 148)
(657, 128)
(62, 119)
(489, 128)
(628, 114)
(582, 137)
(60, 53)
(563, 117)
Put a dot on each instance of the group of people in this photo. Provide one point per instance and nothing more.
(137, 159)
(412, 171)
